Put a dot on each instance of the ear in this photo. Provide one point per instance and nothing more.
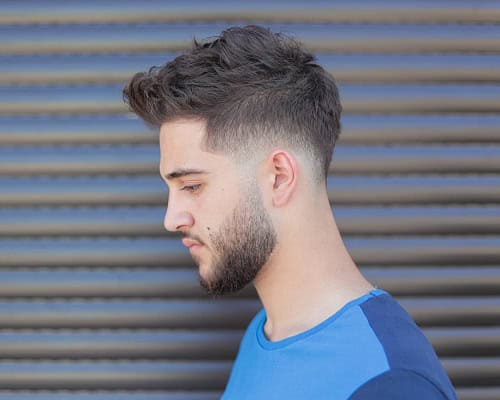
(283, 173)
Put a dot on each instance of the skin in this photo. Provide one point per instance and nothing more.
(307, 274)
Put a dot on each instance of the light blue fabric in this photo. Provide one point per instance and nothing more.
(328, 361)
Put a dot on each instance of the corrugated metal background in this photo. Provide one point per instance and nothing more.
(98, 302)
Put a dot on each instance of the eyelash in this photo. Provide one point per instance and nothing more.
(191, 188)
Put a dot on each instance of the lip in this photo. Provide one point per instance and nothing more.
(190, 243)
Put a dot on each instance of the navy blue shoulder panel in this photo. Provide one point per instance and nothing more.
(405, 345)
(397, 384)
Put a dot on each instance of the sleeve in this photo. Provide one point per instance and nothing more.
(398, 384)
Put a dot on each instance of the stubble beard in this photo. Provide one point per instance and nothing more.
(241, 247)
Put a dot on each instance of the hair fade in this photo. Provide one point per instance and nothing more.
(252, 87)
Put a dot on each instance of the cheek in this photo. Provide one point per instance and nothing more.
(213, 206)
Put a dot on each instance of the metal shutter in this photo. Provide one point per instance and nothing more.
(98, 302)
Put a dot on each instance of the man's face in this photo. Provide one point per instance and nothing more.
(223, 220)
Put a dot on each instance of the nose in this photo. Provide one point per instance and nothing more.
(176, 218)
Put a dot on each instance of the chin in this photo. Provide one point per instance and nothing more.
(204, 271)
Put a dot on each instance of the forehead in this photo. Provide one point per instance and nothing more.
(181, 147)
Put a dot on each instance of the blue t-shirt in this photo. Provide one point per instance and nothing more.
(369, 349)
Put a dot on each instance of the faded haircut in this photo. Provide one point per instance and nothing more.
(253, 88)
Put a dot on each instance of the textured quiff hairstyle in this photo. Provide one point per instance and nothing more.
(256, 89)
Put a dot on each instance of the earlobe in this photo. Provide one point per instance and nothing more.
(284, 171)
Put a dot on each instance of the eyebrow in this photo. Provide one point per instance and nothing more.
(178, 173)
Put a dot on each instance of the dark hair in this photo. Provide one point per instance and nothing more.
(252, 87)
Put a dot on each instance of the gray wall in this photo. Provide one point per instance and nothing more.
(98, 302)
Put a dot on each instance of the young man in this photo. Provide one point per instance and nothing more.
(248, 124)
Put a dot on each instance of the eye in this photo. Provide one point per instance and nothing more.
(191, 188)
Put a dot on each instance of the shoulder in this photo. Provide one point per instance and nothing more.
(404, 344)
(410, 356)
(398, 384)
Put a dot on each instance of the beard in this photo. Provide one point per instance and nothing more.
(241, 247)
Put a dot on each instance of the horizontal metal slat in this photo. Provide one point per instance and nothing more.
(108, 395)
(479, 393)
(83, 191)
(111, 283)
(484, 393)
(87, 252)
(66, 221)
(197, 344)
(103, 99)
(178, 375)
(120, 160)
(216, 314)
(82, 160)
(71, 69)
(95, 129)
(436, 281)
(58, 11)
(162, 252)
(183, 283)
(356, 129)
(429, 250)
(149, 190)
(160, 37)
(413, 189)
(409, 68)
(393, 129)
(392, 99)
(116, 344)
(469, 342)
(346, 68)
(172, 314)
(473, 371)
(173, 375)
(457, 311)
(416, 159)
(148, 221)
(447, 219)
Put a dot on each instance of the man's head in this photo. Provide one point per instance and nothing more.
(226, 108)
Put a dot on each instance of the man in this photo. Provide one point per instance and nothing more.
(248, 124)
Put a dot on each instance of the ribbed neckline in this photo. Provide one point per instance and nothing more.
(265, 343)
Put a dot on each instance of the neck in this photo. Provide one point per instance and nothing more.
(308, 278)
